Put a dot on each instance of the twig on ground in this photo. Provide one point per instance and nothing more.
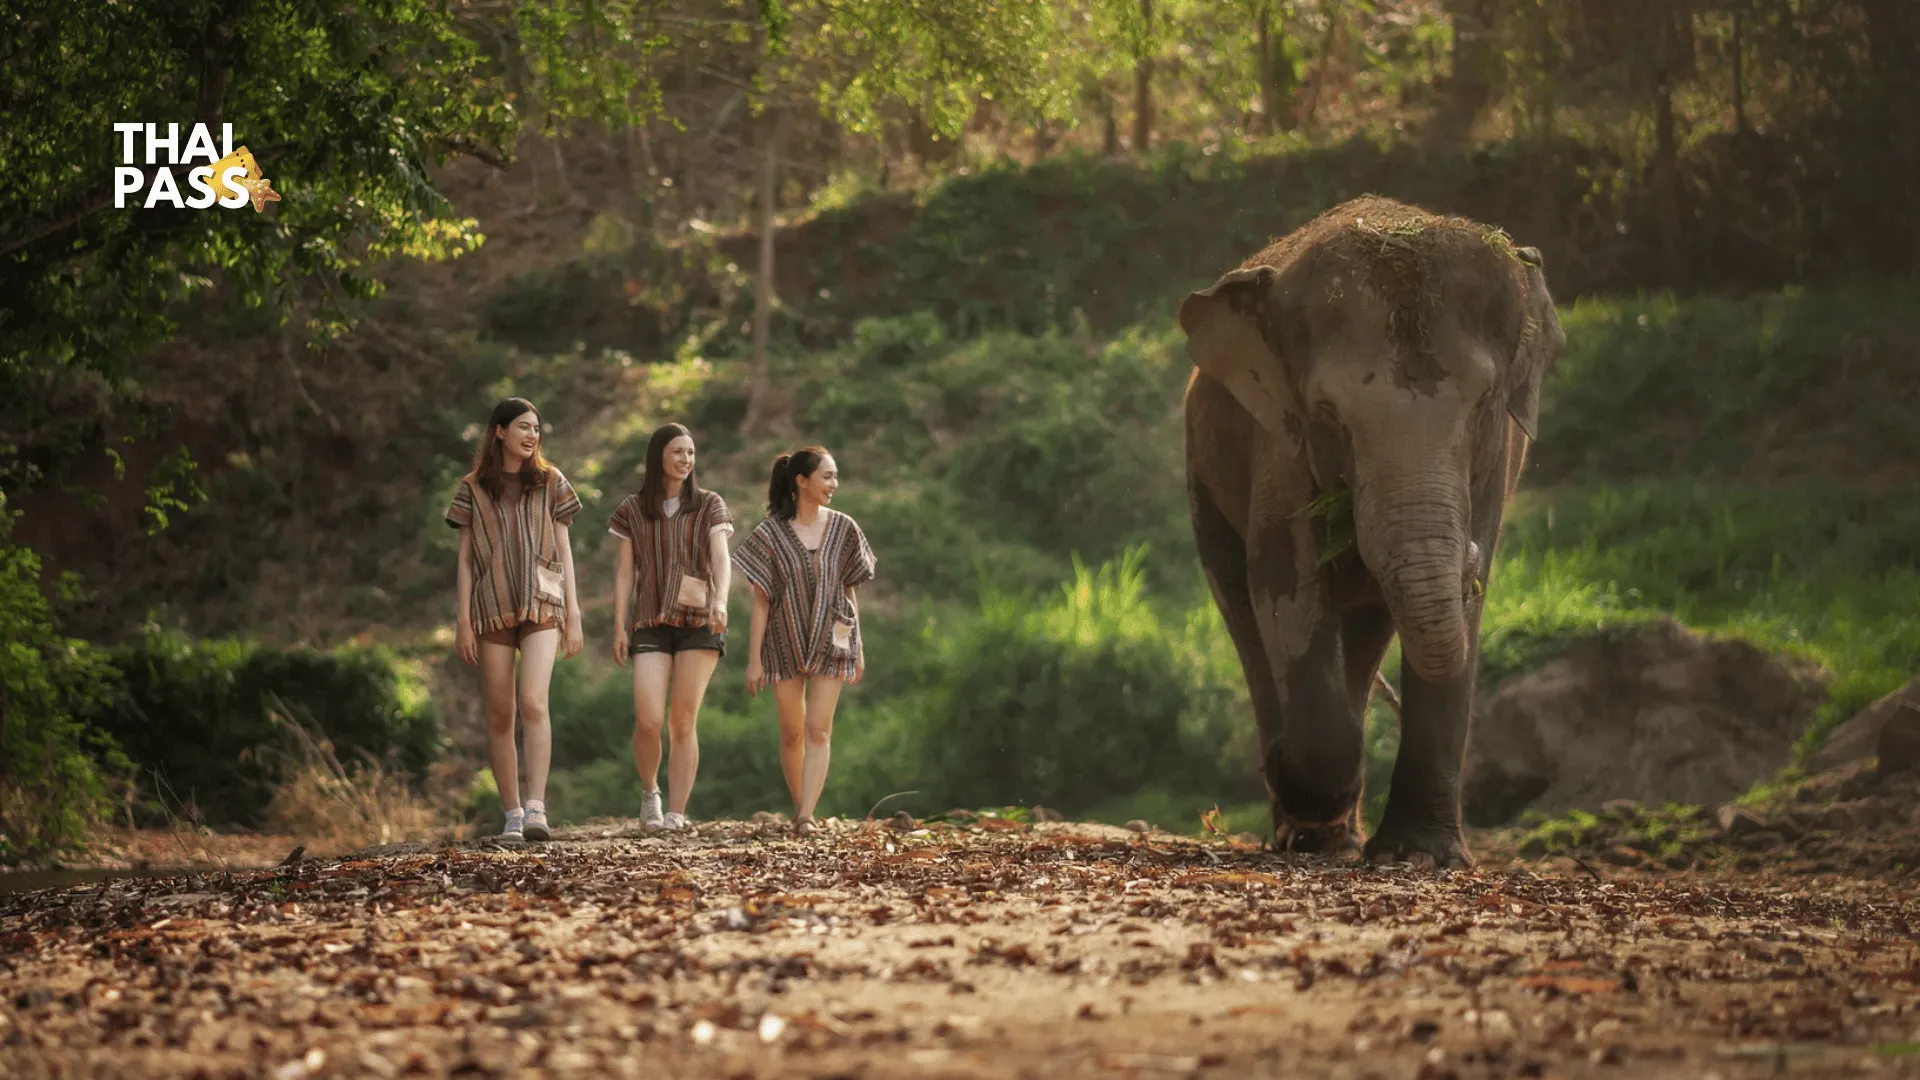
(883, 800)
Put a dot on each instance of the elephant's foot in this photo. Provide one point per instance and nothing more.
(1340, 840)
(1426, 847)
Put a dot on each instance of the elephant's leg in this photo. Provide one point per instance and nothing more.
(1422, 822)
(1315, 753)
(1223, 555)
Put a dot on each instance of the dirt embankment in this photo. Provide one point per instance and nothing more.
(989, 949)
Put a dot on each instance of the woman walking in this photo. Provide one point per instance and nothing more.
(517, 595)
(671, 576)
(804, 561)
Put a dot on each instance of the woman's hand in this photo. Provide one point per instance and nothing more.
(576, 640)
(467, 643)
(717, 616)
(621, 643)
(859, 666)
(756, 677)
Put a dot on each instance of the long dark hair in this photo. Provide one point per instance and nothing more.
(783, 489)
(489, 461)
(653, 486)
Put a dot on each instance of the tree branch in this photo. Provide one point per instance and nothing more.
(461, 144)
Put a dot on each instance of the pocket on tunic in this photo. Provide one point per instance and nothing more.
(693, 593)
(551, 581)
(843, 636)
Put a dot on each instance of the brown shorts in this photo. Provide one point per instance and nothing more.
(514, 635)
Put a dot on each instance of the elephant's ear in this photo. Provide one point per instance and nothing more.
(1224, 342)
(1541, 343)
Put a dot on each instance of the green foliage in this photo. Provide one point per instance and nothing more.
(1764, 385)
(57, 777)
(195, 715)
(1069, 703)
(346, 109)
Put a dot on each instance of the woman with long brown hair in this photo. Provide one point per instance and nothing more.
(517, 594)
(805, 560)
(671, 576)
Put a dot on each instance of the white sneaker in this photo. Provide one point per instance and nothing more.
(650, 809)
(534, 825)
(516, 822)
(676, 822)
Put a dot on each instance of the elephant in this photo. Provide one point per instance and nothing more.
(1364, 393)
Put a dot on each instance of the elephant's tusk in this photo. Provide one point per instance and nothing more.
(1393, 699)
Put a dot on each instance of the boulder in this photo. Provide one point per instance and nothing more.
(1859, 737)
(1655, 714)
(1900, 740)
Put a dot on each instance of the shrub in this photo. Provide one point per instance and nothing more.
(195, 716)
(1071, 703)
(56, 775)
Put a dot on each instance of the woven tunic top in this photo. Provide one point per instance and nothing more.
(518, 575)
(807, 595)
(663, 550)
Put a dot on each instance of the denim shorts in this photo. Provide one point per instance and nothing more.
(675, 639)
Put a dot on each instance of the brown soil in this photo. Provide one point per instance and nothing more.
(984, 949)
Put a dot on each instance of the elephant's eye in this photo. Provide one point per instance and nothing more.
(1324, 410)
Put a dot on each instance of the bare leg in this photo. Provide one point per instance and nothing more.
(790, 698)
(692, 670)
(822, 695)
(496, 686)
(536, 730)
(650, 673)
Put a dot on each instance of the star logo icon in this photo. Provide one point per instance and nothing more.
(254, 184)
(261, 191)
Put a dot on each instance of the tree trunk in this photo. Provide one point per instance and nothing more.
(1893, 33)
(1269, 118)
(1143, 86)
(1335, 20)
(1666, 179)
(1476, 62)
(759, 390)
(1110, 136)
(1739, 74)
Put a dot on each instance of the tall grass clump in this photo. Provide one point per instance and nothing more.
(1072, 702)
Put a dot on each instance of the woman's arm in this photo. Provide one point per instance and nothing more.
(573, 638)
(722, 583)
(465, 640)
(756, 633)
(622, 598)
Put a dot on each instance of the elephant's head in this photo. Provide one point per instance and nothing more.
(1391, 360)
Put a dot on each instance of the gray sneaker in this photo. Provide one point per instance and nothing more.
(516, 821)
(676, 822)
(650, 809)
(535, 825)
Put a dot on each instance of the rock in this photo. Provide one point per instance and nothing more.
(1838, 818)
(1859, 737)
(1533, 848)
(1139, 826)
(1652, 714)
(1623, 809)
(1900, 738)
(1738, 821)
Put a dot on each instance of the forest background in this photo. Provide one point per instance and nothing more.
(946, 241)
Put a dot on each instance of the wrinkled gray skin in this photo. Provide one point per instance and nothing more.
(1307, 379)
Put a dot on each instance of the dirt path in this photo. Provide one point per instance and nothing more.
(986, 950)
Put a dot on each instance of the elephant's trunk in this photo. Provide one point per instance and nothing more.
(1411, 530)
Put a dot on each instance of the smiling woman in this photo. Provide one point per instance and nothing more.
(517, 589)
